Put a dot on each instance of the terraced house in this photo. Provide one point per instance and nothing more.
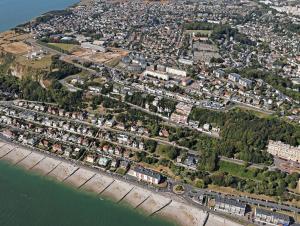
(271, 218)
(230, 206)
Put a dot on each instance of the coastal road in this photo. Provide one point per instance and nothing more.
(190, 191)
(194, 191)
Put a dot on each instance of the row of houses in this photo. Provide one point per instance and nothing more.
(95, 158)
(50, 109)
(54, 141)
(260, 216)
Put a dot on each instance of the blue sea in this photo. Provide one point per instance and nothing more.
(15, 12)
(29, 200)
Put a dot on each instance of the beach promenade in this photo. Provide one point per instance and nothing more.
(92, 180)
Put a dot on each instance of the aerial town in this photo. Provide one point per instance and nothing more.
(200, 99)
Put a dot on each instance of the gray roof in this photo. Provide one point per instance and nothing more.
(124, 163)
(235, 75)
(148, 172)
(231, 202)
(220, 71)
(274, 214)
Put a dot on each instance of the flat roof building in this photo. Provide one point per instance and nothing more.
(175, 71)
(159, 75)
(284, 151)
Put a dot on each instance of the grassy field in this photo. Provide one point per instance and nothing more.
(82, 75)
(64, 46)
(161, 150)
(121, 171)
(114, 62)
(237, 170)
(43, 63)
(257, 113)
(232, 191)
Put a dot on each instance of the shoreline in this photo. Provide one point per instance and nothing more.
(76, 3)
(86, 179)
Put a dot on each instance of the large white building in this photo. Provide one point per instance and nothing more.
(159, 75)
(175, 71)
(285, 151)
(186, 61)
(234, 77)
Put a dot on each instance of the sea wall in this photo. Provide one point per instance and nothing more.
(90, 180)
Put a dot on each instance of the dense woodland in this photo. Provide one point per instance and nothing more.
(32, 90)
(226, 32)
(244, 135)
(61, 69)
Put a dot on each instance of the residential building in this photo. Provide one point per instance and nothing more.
(246, 83)
(90, 158)
(219, 73)
(147, 175)
(285, 151)
(68, 152)
(158, 75)
(234, 77)
(8, 134)
(57, 148)
(125, 165)
(103, 161)
(186, 61)
(230, 206)
(207, 127)
(174, 71)
(266, 217)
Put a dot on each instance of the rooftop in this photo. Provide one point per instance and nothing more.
(231, 202)
(274, 214)
(148, 172)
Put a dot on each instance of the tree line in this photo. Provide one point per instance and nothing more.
(32, 90)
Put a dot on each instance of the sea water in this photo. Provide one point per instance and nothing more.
(30, 200)
(15, 12)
